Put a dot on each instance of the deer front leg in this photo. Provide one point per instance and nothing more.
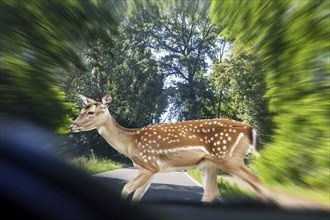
(138, 194)
(210, 185)
(139, 180)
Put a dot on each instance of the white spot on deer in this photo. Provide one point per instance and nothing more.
(145, 160)
(140, 153)
(234, 131)
(230, 130)
(229, 138)
(212, 138)
(224, 147)
(149, 158)
(221, 133)
(224, 142)
(226, 134)
(155, 132)
(218, 142)
(216, 135)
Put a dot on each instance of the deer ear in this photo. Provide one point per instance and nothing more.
(85, 99)
(106, 100)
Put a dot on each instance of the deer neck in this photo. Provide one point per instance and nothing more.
(118, 137)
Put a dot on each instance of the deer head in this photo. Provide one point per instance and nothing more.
(92, 115)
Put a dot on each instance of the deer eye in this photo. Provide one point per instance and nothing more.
(90, 113)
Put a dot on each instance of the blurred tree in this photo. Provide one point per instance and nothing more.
(292, 40)
(240, 81)
(38, 40)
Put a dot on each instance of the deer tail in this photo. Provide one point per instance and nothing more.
(256, 142)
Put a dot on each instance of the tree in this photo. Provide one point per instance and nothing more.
(183, 39)
(241, 82)
(131, 73)
(292, 40)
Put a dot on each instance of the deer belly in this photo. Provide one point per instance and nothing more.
(181, 159)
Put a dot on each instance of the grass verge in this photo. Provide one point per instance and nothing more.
(319, 197)
(95, 165)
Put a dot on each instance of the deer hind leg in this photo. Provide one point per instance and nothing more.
(210, 185)
(138, 194)
(245, 174)
(141, 179)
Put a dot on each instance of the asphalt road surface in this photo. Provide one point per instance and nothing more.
(171, 186)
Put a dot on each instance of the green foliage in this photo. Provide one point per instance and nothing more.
(240, 82)
(292, 40)
(95, 165)
(38, 41)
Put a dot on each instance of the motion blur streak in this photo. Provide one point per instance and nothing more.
(39, 41)
(292, 40)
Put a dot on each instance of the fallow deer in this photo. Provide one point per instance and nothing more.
(206, 144)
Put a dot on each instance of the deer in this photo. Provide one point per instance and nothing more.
(208, 145)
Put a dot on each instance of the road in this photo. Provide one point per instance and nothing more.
(172, 186)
